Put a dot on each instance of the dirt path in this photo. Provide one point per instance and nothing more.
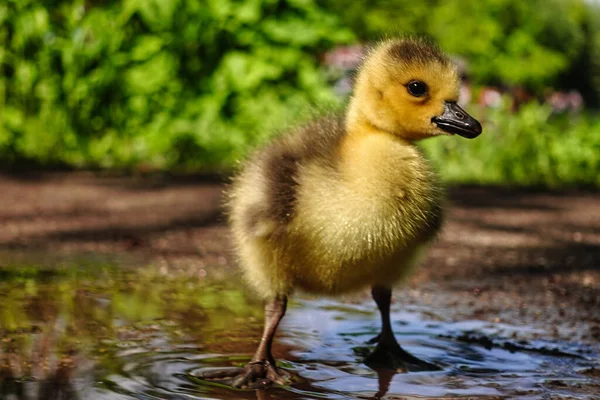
(523, 257)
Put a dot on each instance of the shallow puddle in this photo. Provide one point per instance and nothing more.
(95, 331)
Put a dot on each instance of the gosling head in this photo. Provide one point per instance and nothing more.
(408, 87)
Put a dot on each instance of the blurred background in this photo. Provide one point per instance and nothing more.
(192, 85)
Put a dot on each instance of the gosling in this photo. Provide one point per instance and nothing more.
(349, 202)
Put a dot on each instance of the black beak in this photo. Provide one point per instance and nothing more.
(456, 120)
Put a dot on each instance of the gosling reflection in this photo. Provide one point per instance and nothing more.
(384, 378)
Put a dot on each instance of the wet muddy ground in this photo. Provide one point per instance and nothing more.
(124, 288)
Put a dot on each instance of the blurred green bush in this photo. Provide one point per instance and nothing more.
(191, 85)
(534, 43)
(531, 147)
(185, 84)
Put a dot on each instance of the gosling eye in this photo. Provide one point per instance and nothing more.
(417, 88)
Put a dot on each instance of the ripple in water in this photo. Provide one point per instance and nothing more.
(124, 337)
(326, 343)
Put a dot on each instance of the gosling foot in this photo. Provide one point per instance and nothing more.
(259, 375)
(392, 356)
(256, 375)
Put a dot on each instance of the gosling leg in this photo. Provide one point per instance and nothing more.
(261, 370)
(388, 353)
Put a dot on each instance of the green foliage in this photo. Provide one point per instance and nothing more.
(529, 43)
(530, 147)
(181, 83)
(584, 73)
(525, 43)
(383, 17)
(193, 84)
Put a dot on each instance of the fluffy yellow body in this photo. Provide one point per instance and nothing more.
(362, 223)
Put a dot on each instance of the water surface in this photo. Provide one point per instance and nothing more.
(91, 330)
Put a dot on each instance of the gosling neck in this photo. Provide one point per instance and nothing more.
(374, 160)
(359, 124)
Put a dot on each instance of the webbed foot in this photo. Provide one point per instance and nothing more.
(260, 374)
(388, 354)
(256, 375)
(392, 356)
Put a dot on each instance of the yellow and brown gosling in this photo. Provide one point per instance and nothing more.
(349, 202)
